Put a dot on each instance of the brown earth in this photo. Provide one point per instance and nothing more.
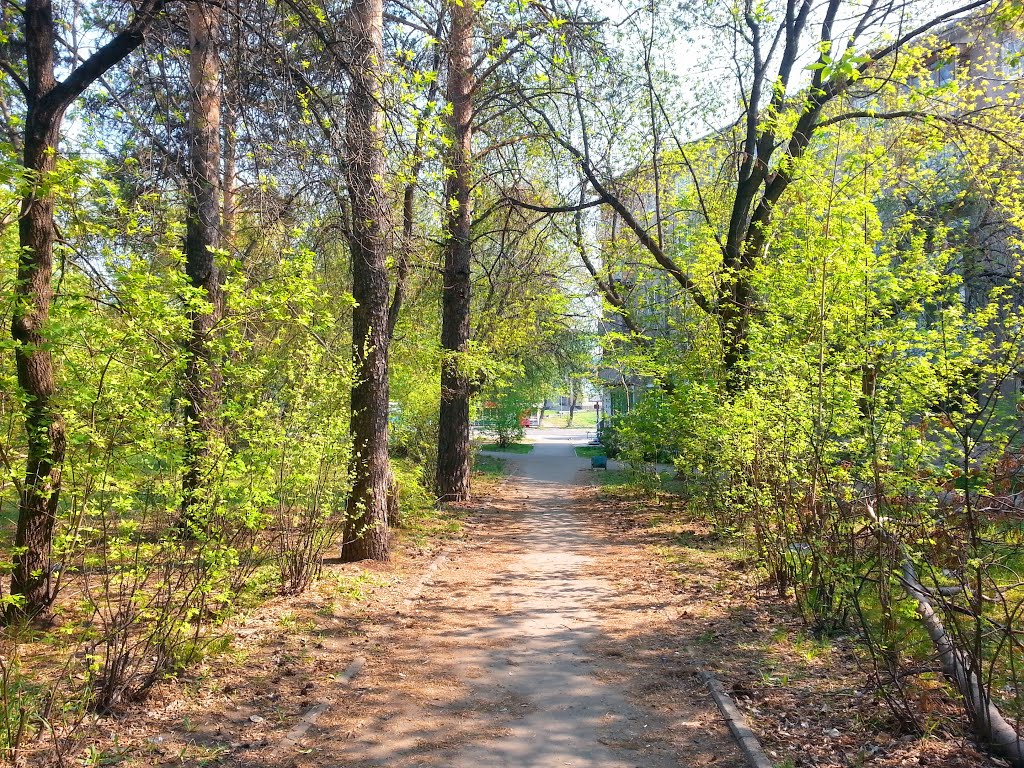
(527, 642)
(554, 630)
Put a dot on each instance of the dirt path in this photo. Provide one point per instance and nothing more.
(553, 631)
(530, 647)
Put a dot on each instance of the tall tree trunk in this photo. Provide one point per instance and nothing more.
(46, 101)
(734, 324)
(366, 533)
(453, 425)
(202, 239)
(44, 425)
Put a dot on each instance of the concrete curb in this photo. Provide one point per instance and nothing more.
(745, 738)
(426, 578)
(308, 720)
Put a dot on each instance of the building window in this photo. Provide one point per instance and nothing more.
(945, 73)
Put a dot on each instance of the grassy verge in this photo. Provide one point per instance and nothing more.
(510, 448)
(629, 482)
(426, 527)
(584, 418)
(614, 483)
(489, 466)
(424, 523)
(586, 451)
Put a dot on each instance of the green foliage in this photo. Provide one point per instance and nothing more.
(503, 417)
(416, 390)
(22, 700)
(881, 380)
(275, 473)
(491, 466)
(422, 521)
(884, 336)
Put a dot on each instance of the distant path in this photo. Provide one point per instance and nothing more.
(525, 652)
(573, 717)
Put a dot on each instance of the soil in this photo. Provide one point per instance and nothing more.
(528, 649)
(808, 698)
(562, 627)
(523, 643)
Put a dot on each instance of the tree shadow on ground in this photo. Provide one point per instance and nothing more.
(506, 659)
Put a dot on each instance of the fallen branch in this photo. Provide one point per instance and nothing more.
(989, 724)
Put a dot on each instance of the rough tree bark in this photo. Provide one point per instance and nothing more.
(453, 425)
(202, 239)
(46, 101)
(366, 531)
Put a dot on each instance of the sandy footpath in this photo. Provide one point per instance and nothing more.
(524, 650)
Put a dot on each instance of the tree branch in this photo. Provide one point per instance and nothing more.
(13, 74)
(105, 57)
(555, 208)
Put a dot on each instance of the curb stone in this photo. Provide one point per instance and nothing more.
(745, 738)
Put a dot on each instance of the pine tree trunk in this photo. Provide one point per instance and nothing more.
(366, 532)
(453, 425)
(202, 239)
(46, 100)
(44, 425)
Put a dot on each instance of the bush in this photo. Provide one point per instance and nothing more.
(503, 416)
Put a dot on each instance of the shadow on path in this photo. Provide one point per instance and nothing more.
(506, 661)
